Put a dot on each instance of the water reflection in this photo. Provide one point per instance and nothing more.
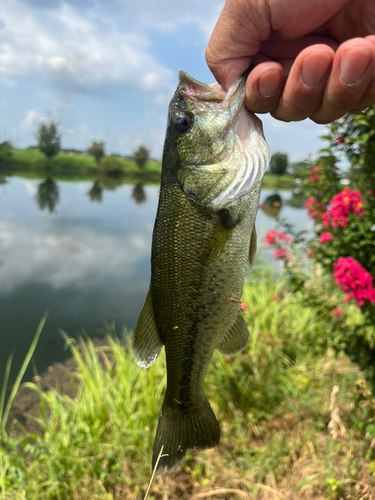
(48, 195)
(272, 205)
(298, 198)
(87, 263)
(96, 192)
(139, 194)
(111, 182)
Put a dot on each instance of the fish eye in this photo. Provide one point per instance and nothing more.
(183, 122)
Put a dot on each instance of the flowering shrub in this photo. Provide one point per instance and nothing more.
(316, 174)
(341, 254)
(342, 204)
(281, 242)
(350, 275)
(314, 208)
(324, 237)
(337, 312)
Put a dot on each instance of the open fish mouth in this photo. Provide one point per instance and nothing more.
(197, 91)
(248, 159)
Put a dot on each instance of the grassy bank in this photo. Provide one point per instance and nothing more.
(276, 182)
(272, 402)
(33, 161)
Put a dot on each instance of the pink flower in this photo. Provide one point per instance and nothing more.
(342, 204)
(337, 312)
(355, 279)
(316, 174)
(325, 237)
(281, 241)
(282, 253)
(275, 298)
(340, 140)
(314, 208)
(275, 237)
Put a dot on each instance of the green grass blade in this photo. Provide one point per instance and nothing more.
(5, 384)
(17, 383)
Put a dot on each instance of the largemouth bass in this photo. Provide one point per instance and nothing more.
(214, 159)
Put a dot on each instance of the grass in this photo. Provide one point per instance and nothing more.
(29, 160)
(33, 162)
(272, 402)
(271, 181)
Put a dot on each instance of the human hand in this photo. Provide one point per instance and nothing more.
(313, 59)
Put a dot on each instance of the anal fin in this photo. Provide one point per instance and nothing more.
(236, 338)
(146, 340)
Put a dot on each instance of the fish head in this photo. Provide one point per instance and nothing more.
(215, 148)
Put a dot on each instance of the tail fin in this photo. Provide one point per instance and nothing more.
(179, 431)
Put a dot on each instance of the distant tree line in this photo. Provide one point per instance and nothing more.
(49, 143)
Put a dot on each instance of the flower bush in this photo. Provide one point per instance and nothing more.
(350, 275)
(340, 258)
(281, 242)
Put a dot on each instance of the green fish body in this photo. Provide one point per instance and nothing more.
(214, 159)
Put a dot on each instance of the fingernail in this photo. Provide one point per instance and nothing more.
(315, 69)
(352, 67)
(269, 83)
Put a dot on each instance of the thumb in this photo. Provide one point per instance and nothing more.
(236, 37)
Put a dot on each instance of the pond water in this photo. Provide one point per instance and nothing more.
(82, 252)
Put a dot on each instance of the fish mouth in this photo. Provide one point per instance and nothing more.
(196, 91)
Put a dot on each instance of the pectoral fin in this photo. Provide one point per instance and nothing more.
(216, 243)
(253, 247)
(236, 338)
(146, 341)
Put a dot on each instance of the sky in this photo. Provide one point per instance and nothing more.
(106, 71)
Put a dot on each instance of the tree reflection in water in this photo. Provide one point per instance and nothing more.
(139, 194)
(48, 195)
(96, 192)
(298, 198)
(272, 205)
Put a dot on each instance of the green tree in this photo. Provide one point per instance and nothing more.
(5, 156)
(141, 156)
(300, 169)
(111, 165)
(48, 139)
(97, 151)
(279, 163)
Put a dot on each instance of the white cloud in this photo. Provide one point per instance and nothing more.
(29, 120)
(30, 188)
(79, 252)
(76, 52)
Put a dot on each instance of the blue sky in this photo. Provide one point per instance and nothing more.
(106, 70)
